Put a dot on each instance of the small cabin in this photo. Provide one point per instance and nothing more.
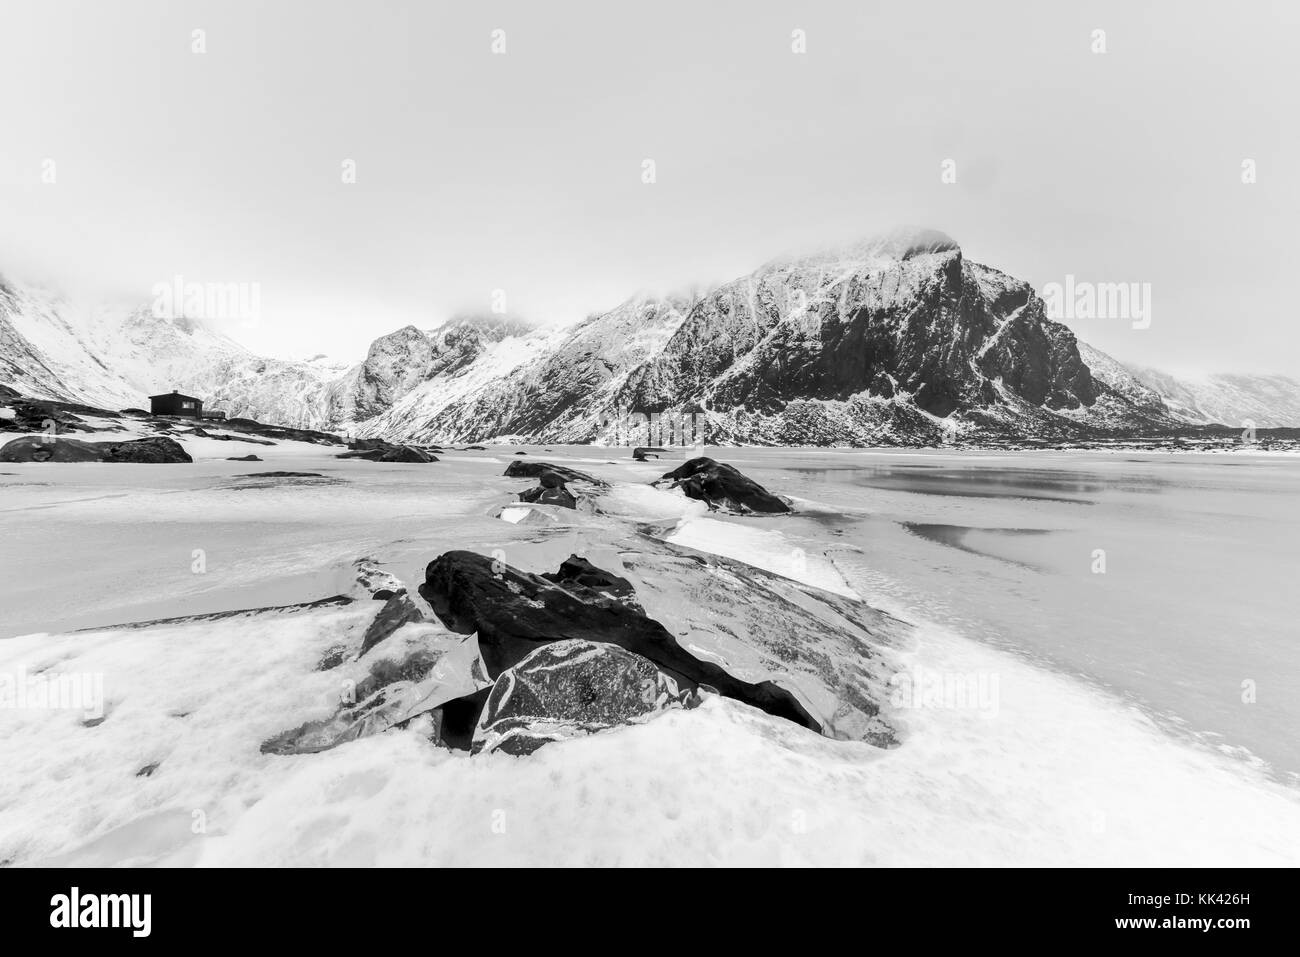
(174, 403)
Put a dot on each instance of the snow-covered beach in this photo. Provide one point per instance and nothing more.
(1065, 752)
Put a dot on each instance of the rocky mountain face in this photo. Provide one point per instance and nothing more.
(399, 362)
(898, 340)
(880, 341)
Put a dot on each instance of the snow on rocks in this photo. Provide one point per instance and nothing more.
(413, 671)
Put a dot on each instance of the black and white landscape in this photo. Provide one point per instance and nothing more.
(854, 543)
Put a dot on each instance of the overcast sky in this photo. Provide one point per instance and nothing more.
(522, 171)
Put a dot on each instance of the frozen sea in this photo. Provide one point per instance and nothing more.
(1168, 580)
(1140, 715)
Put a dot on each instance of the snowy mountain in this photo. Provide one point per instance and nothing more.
(879, 342)
(897, 340)
(56, 348)
(1269, 401)
(402, 361)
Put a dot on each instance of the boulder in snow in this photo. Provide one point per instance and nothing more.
(719, 485)
(570, 688)
(514, 612)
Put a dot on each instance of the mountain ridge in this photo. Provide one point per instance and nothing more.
(898, 339)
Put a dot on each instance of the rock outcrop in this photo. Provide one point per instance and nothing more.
(719, 485)
(535, 469)
(571, 688)
(513, 613)
(377, 450)
(549, 490)
(155, 449)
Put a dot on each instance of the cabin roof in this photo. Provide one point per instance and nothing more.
(176, 395)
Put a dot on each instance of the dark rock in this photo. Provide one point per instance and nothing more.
(156, 448)
(721, 485)
(475, 448)
(571, 688)
(514, 612)
(49, 416)
(521, 453)
(334, 656)
(396, 612)
(536, 470)
(640, 453)
(577, 571)
(46, 449)
(147, 770)
(407, 453)
(331, 601)
(383, 594)
(281, 432)
(281, 475)
(244, 458)
(244, 440)
(541, 495)
(460, 719)
(390, 453)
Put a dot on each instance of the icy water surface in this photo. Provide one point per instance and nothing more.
(1169, 579)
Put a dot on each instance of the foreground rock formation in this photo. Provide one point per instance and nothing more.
(514, 613)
